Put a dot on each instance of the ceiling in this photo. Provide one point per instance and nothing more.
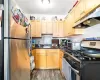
(56, 7)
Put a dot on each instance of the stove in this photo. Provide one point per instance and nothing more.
(85, 61)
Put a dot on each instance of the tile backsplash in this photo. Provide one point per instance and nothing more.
(46, 39)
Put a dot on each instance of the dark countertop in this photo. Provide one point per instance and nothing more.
(48, 47)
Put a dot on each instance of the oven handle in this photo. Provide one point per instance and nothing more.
(76, 71)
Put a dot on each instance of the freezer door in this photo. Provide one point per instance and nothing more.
(17, 31)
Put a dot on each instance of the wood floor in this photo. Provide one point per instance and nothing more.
(46, 75)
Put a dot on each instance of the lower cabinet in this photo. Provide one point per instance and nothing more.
(60, 63)
(41, 61)
(53, 61)
(60, 59)
(48, 59)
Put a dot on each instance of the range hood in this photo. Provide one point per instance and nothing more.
(90, 20)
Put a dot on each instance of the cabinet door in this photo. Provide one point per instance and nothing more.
(82, 8)
(65, 28)
(33, 28)
(44, 27)
(41, 61)
(33, 52)
(91, 4)
(55, 29)
(70, 22)
(79, 31)
(61, 29)
(49, 27)
(68, 26)
(77, 12)
(53, 59)
(38, 29)
(60, 59)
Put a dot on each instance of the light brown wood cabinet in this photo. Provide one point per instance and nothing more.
(58, 29)
(61, 29)
(55, 29)
(69, 30)
(90, 5)
(35, 28)
(61, 54)
(82, 9)
(44, 27)
(47, 27)
(53, 59)
(48, 58)
(65, 28)
(40, 59)
(78, 31)
(68, 23)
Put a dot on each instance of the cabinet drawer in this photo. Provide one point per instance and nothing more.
(53, 50)
(40, 51)
(41, 54)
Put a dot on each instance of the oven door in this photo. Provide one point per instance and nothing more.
(74, 74)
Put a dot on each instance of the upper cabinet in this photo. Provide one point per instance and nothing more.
(55, 29)
(68, 26)
(68, 23)
(44, 27)
(35, 28)
(38, 29)
(79, 10)
(91, 4)
(47, 27)
(83, 8)
(58, 29)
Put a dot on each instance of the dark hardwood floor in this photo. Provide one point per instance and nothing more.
(47, 75)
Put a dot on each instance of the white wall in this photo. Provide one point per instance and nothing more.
(93, 31)
(48, 17)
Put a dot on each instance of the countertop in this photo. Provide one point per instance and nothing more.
(62, 49)
(45, 48)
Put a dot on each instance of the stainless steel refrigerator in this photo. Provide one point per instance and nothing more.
(19, 38)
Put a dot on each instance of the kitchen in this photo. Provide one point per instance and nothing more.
(47, 41)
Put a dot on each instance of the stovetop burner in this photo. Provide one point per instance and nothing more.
(80, 55)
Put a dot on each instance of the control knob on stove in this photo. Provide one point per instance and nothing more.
(82, 58)
(89, 58)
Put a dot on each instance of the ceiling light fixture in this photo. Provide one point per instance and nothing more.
(45, 2)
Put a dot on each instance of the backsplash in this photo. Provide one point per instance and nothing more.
(46, 39)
